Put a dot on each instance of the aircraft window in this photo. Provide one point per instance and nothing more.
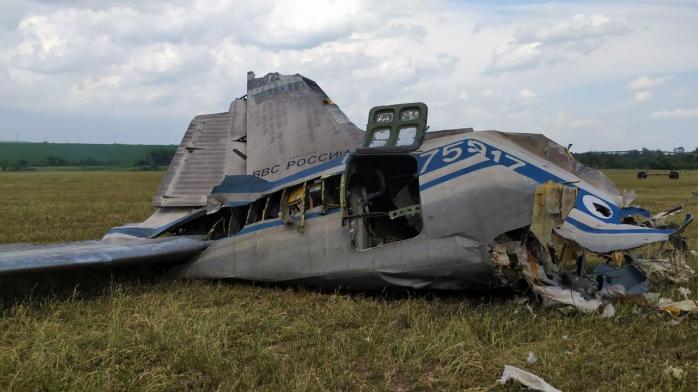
(294, 203)
(406, 136)
(383, 202)
(314, 196)
(409, 114)
(380, 137)
(272, 207)
(330, 192)
(295, 199)
(255, 212)
(238, 216)
(384, 117)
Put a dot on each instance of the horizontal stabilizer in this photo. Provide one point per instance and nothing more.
(212, 147)
(23, 258)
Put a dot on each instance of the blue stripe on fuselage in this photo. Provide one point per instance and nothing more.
(595, 230)
(457, 173)
(468, 148)
(505, 159)
(277, 222)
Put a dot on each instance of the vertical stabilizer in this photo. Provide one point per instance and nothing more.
(293, 125)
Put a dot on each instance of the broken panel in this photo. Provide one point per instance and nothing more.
(383, 199)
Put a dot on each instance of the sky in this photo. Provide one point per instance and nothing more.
(602, 75)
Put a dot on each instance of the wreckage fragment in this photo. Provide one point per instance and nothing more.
(680, 307)
(552, 203)
(525, 378)
(556, 295)
(544, 263)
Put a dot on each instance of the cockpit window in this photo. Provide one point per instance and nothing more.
(406, 136)
(380, 137)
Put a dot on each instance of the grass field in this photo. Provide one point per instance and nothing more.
(102, 331)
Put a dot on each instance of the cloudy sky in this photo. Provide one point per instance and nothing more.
(602, 75)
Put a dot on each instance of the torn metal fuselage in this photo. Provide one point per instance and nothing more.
(570, 224)
(468, 210)
(281, 189)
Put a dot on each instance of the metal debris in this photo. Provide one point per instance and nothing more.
(552, 202)
(531, 358)
(674, 269)
(684, 292)
(555, 295)
(680, 307)
(550, 257)
(620, 281)
(525, 378)
(608, 311)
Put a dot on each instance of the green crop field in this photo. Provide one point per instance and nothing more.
(114, 154)
(130, 331)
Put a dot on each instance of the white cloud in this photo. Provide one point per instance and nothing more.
(474, 65)
(642, 96)
(526, 93)
(584, 27)
(645, 82)
(556, 41)
(676, 114)
(561, 119)
(293, 23)
(516, 55)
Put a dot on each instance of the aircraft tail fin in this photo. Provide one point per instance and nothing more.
(285, 124)
(292, 125)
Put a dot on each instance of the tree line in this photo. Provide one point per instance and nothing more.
(640, 159)
(154, 158)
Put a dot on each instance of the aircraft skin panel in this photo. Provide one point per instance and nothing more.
(323, 254)
(432, 155)
(232, 193)
(460, 199)
(292, 124)
(205, 155)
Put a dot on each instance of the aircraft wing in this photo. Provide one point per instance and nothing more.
(25, 258)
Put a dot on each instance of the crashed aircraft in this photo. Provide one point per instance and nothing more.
(283, 187)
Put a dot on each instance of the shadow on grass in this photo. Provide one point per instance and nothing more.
(96, 282)
(88, 283)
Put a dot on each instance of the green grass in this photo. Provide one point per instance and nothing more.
(71, 206)
(36, 153)
(102, 331)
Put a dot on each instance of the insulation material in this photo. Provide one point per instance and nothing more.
(551, 205)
